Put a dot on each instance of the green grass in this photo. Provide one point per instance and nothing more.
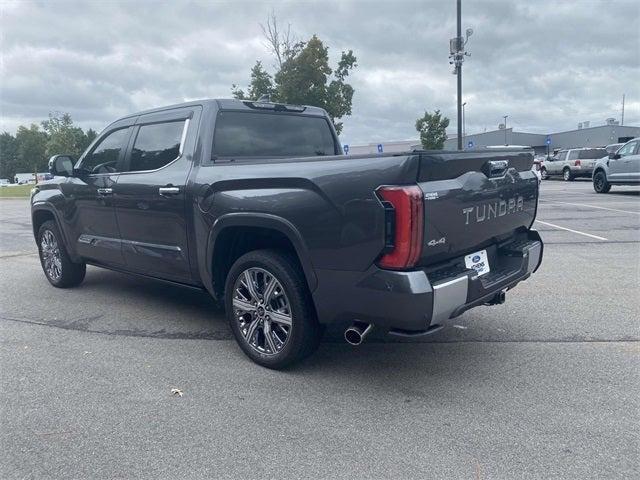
(15, 192)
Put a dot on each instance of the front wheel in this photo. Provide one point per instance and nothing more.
(270, 310)
(58, 267)
(567, 175)
(600, 183)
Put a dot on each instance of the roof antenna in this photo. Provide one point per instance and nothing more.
(265, 98)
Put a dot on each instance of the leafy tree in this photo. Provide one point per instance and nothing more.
(85, 139)
(261, 84)
(432, 128)
(303, 75)
(32, 148)
(62, 136)
(8, 156)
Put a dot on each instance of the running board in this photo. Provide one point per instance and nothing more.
(398, 332)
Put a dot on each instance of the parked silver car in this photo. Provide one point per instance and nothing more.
(572, 163)
(619, 168)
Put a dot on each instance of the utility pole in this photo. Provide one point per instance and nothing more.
(456, 57)
(459, 72)
(505, 129)
(622, 122)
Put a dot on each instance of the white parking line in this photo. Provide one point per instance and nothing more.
(573, 231)
(596, 206)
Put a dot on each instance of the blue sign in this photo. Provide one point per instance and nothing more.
(346, 149)
(548, 140)
(379, 148)
(470, 144)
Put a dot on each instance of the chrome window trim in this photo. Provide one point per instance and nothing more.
(183, 139)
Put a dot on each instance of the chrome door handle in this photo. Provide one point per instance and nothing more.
(105, 191)
(169, 190)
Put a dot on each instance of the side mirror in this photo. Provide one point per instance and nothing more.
(614, 156)
(61, 165)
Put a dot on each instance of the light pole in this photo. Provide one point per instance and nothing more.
(464, 118)
(505, 129)
(456, 56)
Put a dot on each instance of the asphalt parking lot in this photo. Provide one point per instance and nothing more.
(546, 385)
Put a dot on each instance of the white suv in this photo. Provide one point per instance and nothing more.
(572, 163)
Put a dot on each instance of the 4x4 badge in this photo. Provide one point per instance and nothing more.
(434, 242)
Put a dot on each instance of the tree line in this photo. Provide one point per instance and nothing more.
(30, 148)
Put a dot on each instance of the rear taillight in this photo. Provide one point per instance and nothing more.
(404, 222)
(577, 163)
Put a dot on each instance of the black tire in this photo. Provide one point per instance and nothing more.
(304, 333)
(600, 182)
(567, 176)
(66, 273)
(543, 174)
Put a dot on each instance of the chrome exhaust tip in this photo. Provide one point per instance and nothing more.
(354, 335)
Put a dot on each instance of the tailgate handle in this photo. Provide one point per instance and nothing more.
(495, 168)
(169, 190)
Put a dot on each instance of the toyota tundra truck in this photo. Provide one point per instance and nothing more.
(255, 203)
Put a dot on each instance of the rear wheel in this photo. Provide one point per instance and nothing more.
(269, 309)
(567, 176)
(58, 267)
(600, 183)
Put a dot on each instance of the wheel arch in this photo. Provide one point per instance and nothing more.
(234, 234)
(42, 212)
(39, 215)
(599, 168)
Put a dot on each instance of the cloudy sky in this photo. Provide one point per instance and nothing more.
(548, 64)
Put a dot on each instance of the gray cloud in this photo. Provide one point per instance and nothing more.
(547, 64)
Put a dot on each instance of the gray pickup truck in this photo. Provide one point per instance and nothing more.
(255, 203)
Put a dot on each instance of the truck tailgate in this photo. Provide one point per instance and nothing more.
(474, 199)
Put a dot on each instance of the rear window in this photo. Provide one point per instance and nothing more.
(156, 145)
(251, 134)
(590, 154)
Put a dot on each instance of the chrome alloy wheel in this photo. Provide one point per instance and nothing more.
(51, 255)
(262, 310)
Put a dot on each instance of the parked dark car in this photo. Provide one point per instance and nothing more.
(255, 203)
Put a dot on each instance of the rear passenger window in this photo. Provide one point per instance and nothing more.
(592, 153)
(573, 155)
(156, 146)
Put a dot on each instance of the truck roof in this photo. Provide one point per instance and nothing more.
(227, 104)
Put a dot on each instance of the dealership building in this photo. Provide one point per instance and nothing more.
(583, 136)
